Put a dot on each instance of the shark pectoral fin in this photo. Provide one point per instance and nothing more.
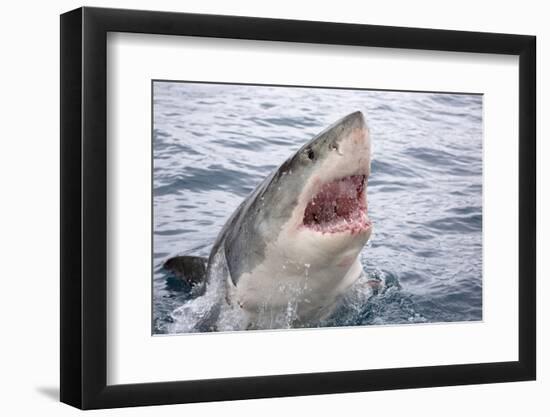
(191, 269)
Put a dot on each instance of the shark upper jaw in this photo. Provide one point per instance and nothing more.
(339, 206)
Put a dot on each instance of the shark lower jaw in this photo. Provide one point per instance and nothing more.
(339, 207)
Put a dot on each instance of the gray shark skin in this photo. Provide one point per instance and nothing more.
(289, 252)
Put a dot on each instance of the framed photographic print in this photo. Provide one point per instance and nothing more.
(258, 207)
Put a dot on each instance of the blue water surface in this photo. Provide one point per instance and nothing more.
(213, 143)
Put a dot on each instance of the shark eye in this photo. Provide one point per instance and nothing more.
(311, 154)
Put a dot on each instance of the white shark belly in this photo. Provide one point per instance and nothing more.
(280, 291)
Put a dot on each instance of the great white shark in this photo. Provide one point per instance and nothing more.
(290, 251)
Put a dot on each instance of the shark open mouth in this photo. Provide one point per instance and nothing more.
(339, 206)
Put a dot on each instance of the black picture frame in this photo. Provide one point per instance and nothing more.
(84, 207)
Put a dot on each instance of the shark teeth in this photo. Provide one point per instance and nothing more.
(339, 206)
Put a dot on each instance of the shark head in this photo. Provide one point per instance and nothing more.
(328, 223)
(321, 190)
(336, 166)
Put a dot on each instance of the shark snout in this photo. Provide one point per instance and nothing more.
(354, 145)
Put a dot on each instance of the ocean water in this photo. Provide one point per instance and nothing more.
(213, 143)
